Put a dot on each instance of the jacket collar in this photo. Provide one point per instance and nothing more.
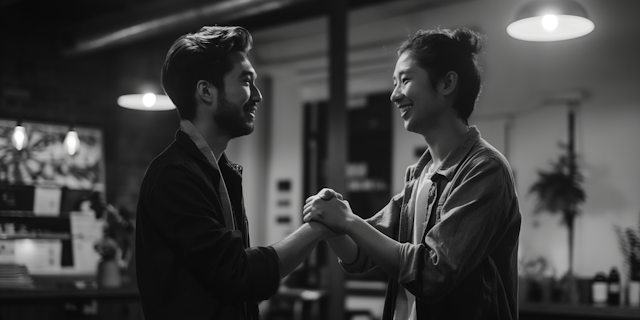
(453, 160)
(189, 137)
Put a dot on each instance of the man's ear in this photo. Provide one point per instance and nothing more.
(449, 83)
(206, 91)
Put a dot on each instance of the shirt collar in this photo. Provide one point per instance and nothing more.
(187, 127)
(453, 160)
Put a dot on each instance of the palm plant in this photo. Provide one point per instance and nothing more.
(559, 190)
(629, 240)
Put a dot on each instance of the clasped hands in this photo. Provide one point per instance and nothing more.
(329, 208)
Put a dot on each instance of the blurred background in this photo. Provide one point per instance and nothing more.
(325, 72)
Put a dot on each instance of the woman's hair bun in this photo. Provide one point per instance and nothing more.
(468, 40)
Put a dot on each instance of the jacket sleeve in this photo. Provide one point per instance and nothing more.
(473, 221)
(185, 215)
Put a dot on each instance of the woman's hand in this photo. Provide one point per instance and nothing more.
(327, 208)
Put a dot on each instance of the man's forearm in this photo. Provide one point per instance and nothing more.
(293, 249)
(382, 250)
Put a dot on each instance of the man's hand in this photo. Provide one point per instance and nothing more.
(334, 213)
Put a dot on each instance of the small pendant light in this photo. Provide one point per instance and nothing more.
(72, 142)
(19, 139)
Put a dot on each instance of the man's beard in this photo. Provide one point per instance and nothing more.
(231, 118)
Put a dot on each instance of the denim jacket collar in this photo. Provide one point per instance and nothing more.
(453, 160)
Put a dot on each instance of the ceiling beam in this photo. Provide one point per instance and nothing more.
(151, 21)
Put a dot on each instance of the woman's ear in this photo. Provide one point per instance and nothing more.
(206, 91)
(449, 83)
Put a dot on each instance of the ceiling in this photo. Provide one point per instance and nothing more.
(84, 26)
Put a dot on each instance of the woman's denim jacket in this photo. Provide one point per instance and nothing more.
(466, 265)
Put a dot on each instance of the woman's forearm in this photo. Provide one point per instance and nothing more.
(345, 248)
(382, 250)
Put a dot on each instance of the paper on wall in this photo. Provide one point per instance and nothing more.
(7, 251)
(46, 201)
(85, 231)
(39, 255)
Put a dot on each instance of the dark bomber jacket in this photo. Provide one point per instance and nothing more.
(190, 264)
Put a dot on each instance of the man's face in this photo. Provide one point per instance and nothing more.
(237, 104)
(420, 106)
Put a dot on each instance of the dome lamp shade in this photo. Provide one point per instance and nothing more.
(550, 20)
(146, 102)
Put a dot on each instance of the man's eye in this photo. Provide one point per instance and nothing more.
(404, 80)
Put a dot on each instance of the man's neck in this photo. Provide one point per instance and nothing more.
(444, 139)
(215, 138)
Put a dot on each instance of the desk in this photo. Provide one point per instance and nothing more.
(300, 298)
(534, 311)
(51, 294)
(68, 303)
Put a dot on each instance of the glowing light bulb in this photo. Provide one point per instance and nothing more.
(19, 138)
(149, 100)
(550, 22)
(72, 142)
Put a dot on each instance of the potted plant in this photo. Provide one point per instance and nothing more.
(629, 240)
(116, 245)
(560, 190)
(108, 273)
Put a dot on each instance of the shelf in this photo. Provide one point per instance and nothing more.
(586, 311)
(31, 214)
(41, 236)
(29, 225)
(370, 288)
(66, 294)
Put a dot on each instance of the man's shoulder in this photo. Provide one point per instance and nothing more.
(173, 157)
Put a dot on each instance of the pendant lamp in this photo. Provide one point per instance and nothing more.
(146, 102)
(550, 20)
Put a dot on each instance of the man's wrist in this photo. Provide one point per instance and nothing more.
(316, 230)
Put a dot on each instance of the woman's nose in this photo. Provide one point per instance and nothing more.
(395, 95)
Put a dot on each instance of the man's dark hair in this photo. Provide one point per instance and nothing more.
(201, 56)
(440, 51)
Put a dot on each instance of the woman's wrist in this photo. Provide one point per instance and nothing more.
(352, 223)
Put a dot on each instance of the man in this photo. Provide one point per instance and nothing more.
(449, 241)
(194, 260)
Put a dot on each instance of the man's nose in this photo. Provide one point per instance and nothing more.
(255, 94)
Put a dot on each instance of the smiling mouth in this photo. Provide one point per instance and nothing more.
(405, 108)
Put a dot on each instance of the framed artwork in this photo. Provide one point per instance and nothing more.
(44, 160)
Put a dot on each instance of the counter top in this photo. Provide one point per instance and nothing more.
(40, 294)
(579, 310)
